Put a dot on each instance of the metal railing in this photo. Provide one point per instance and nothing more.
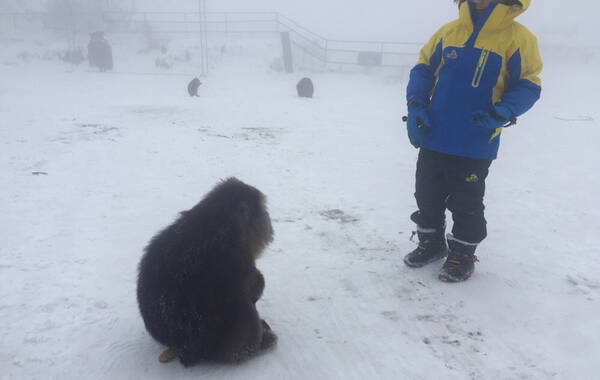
(317, 47)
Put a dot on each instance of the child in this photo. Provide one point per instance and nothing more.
(475, 75)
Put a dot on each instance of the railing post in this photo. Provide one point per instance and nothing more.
(286, 44)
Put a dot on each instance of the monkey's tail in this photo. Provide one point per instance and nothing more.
(167, 356)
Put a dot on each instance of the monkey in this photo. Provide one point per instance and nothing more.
(193, 87)
(198, 283)
(100, 52)
(305, 88)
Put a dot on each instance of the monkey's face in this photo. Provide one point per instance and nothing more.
(268, 233)
(261, 229)
(244, 207)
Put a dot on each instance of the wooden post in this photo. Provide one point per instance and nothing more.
(286, 44)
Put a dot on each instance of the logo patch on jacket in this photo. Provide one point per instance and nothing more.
(473, 178)
(452, 54)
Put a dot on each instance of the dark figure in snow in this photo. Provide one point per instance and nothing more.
(198, 283)
(100, 52)
(193, 87)
(474, 77)
(305, 88)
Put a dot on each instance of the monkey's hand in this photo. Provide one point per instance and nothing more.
(257, 285)
(265, 325)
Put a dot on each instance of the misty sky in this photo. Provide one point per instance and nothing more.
(554, 21)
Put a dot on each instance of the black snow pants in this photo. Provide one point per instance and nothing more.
(455, 183)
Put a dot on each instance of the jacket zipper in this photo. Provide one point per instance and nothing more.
(483, 58)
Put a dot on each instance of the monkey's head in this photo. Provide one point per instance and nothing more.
(255, 220)
(244, 208)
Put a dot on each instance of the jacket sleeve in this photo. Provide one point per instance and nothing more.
(422, 76)
(524, 66)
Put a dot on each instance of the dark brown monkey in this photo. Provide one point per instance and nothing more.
(100, 52)
(193, 87)
(305, 88)
(198, 283)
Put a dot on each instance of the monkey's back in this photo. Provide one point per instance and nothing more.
(193, 87)
(305, 88)
(190, 285)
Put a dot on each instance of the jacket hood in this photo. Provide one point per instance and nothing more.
(515, 10)
(500, 16)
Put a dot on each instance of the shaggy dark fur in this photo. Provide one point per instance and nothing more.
(193, 87)
(305, 88)
(198, 283)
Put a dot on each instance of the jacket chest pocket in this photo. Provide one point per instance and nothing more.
(452, 57)
(480, 68)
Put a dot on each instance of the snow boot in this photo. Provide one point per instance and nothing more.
(432, 247)
(460, 264)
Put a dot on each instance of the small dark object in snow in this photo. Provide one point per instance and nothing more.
(338, 215)
(305, 88)
(162, 62)
(39, 173)
(100, 52)
(193, 87)
(73, 56)
(198, 283)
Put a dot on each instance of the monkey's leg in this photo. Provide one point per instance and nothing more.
(242, 340)
(269, 339)
(167, 356)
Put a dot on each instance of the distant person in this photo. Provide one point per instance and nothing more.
(473, 77)
(100, 52)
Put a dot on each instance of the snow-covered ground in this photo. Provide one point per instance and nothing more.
(92, 165)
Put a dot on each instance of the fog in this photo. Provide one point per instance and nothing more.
(553, 21)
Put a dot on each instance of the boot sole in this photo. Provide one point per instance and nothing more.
(420, 265)
(444, 277)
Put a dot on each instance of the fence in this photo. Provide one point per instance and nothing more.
(309, 44)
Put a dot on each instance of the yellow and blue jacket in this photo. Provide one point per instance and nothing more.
(469, 65)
